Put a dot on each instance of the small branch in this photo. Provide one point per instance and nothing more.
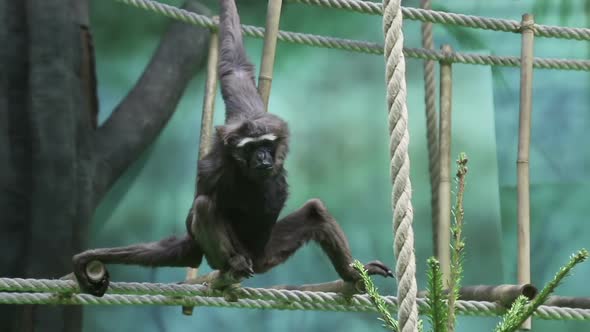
(516, 310)
(388, 321)
(457, 242)
(347, 289)
(140, 117)
(217, 280)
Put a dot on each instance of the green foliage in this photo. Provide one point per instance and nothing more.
(388, 321)
(516, 310)
(441, 314)
(514, 318)
(437, 313)
(457, 242)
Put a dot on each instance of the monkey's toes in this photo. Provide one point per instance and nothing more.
(241, 266)
(378, 268)
(93, 286)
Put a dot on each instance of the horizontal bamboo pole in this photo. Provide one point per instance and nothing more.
(503, 294)
(569, 302)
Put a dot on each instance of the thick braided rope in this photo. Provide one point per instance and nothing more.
(405, 270)
(120, 299)
(431, 122)
(257, 32)
(122, 293)
(353, 45)
(469, 21)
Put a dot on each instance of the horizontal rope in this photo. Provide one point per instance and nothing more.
(258, 32)
(356, 45)
(46, 291)
(494, 60)
(469, 21)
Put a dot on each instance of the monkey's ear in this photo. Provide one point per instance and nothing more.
(223, 133)
(230, 131)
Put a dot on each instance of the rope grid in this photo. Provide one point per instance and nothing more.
(47, 291)
(44, 291)
(468, 21)
(403, 215)
(357, 45)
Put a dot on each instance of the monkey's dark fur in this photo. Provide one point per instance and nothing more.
(242, 188)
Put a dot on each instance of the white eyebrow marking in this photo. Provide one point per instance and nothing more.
(265, 137)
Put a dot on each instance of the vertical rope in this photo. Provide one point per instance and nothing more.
(405, 270)
(431, 124)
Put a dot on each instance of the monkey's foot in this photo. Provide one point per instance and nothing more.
(241, 267)
(95, 284)
(378, 268)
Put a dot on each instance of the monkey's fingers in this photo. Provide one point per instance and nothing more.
(378, 268)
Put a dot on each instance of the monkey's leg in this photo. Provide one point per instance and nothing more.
(313, 222)
(218, 241)
(172, 251)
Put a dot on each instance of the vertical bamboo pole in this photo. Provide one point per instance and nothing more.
(273, 17)
(522, 162)
(209, 100)
(206, 123)
(444, 186)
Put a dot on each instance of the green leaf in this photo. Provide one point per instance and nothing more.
(437, 313)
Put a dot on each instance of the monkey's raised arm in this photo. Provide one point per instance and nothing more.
(236, 72)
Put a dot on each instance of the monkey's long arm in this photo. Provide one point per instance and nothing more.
(313, 222)
(236, 72)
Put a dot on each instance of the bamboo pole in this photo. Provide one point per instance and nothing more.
(209, 100)
(273, 17)
(503, 294)
(522, 163)
(568, 302)
(444, 188)
(206, 124)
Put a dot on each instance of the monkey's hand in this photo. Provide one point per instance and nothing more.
(378, 268)
(96, 284)
(240, 267)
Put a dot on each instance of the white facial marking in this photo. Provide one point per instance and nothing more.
(265, 137)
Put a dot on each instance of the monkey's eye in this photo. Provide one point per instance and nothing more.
(247, 149)
(269, 144)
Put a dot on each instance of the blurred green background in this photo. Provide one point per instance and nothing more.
(335, 105)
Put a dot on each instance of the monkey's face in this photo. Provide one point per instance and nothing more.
(256, 155)
(258, 146)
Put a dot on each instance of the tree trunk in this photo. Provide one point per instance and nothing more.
(55, 163)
